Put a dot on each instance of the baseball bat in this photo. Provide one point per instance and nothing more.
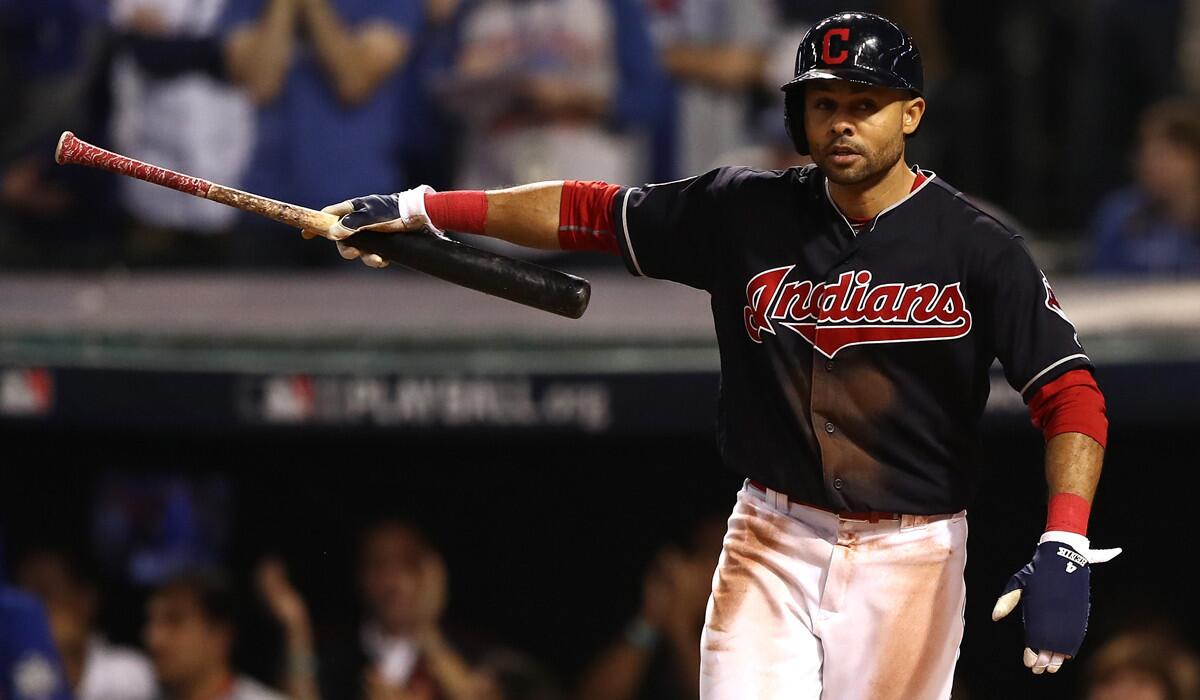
(464, 265)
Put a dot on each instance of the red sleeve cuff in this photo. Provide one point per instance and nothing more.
(585, 217)
(1070, 404)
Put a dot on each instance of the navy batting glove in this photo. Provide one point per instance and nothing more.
(372, 209)
(388, 213)
(1056, 590)
(403, 211)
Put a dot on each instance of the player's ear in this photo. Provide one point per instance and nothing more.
(914, 109)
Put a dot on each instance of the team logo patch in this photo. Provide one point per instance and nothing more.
(829, 54)
(1052, 300)
(1053, 305)
(850, 311)
(289, 399)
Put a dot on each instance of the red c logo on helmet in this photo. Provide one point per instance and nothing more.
(826, 56)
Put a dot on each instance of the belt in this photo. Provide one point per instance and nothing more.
(871, 516)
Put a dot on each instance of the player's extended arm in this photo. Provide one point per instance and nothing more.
(527, 215)
(553, 215)
(1055, 586)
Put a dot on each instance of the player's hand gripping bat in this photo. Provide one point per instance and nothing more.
(498, 275)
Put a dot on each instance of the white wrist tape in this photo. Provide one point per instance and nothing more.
(412, 204)
(1080, 544)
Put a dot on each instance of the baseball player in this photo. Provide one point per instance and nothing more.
(859, 303)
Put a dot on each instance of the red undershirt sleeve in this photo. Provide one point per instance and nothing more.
(1070, 404)
(584, 219)
(585, 216)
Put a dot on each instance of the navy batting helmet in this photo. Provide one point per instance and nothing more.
(855, 46)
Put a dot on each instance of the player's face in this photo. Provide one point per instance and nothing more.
(183, 644)
(856, 132)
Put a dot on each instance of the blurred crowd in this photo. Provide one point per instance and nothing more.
(400, 647)
(1079, 118)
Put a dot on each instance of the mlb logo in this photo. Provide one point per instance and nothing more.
(288, 399)
(26, 392)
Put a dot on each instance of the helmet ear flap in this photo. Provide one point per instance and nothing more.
(793, 119)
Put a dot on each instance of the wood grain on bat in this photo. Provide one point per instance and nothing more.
(284, 213)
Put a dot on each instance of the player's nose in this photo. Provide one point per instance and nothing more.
(843, 123)
(842, 127)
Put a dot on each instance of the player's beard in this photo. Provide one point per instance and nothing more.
(871, 166)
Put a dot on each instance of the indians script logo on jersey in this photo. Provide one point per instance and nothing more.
(851, 311)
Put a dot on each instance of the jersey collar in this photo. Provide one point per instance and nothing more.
(929, 175)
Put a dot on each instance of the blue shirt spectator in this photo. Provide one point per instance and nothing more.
(554, 88)
(430, 131)
(1153, 228)
(641, 98)
(46, 38)
(50, 51)
(29, 665)
(715, 51)
(1130, 238)
(327, 131)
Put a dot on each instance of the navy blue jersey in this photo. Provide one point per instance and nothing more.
(854, 366)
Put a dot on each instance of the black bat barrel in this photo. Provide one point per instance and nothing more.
(508, 278)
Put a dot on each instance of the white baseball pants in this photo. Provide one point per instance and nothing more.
(807, 605)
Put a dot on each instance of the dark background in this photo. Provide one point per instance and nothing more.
(545, 538)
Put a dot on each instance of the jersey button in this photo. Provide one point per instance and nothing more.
(838, 484)
(829, 427)
(829, 365)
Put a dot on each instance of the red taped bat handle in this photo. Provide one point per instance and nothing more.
(72, 150)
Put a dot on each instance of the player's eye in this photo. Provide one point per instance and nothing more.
(867, 105)
(823, 104)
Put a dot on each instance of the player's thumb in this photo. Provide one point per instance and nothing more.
(1005, 604)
